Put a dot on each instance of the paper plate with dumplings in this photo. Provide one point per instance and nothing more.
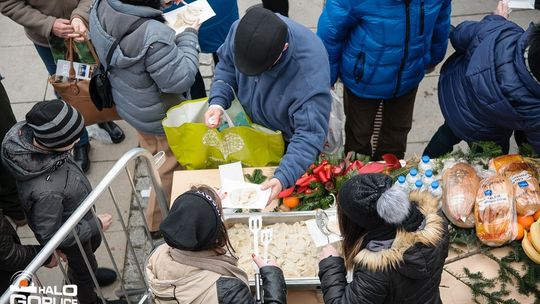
(188, 15)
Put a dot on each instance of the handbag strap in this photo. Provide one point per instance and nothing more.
(131, 29)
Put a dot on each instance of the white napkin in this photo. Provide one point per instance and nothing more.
(318, 237)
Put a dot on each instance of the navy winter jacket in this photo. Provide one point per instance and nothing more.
(214, 30)
(293, 96)
(380, 49)
(485, 89)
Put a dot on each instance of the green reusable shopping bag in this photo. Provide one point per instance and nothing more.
(238, 139)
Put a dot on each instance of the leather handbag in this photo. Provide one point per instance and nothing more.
(76, 91)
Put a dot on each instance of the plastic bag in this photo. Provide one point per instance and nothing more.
(198, 147)
(335, 140)
(494, 211)
(460, 184)
(523, 179)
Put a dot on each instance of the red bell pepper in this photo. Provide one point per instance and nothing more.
(391, 161)
(286, 192)
(306, 180)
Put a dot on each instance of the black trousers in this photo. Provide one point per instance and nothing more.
(396, 124)
(9, 201)
(277, 6)
(198, 89)
(444, 140)
(78, 271)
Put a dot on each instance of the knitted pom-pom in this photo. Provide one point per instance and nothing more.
(393, 205)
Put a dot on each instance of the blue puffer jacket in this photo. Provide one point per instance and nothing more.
(376, 50)
(214, 30)
(293, 96)
(485, 89)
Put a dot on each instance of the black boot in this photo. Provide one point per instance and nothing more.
(116, 134)
(105, 276)
(80, 155)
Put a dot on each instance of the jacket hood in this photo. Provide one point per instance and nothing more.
(25, 160)
(169, 279)
(405, 253)
(115, 19)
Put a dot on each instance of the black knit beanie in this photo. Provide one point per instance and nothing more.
(55, 124)
(151, 3)
(370, 201)
(259, 41)
(193, 222)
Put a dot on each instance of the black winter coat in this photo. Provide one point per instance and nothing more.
(51, 186)
(407, 272)
(234, 291)
(13, 255)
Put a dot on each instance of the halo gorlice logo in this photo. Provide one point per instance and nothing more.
(26, 291)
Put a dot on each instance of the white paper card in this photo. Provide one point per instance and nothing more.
(241, 195)
(318, 237)
(231, 172)
(82, 70)
(527, 4)
(199, 9)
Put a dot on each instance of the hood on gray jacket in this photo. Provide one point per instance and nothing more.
(25, 160)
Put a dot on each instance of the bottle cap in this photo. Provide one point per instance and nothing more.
(418, 184)
(401, 179)
(435, 185)
(413, 172)
(429, 173)
(425, 159)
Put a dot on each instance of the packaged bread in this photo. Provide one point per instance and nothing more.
(494, 211)
(524, 181)
(460, 184)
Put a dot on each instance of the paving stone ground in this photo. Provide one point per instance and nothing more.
(25, 82)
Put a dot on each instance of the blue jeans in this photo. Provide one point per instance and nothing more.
(48, 59)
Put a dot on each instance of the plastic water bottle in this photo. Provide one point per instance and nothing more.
(412, 176)
(425, 164)
(436, 190)
(427, 179)
(402, 183)
(418, 185)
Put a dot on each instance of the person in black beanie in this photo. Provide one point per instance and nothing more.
(278, 70)
(51, 186)
(197, 264)
(395, 244)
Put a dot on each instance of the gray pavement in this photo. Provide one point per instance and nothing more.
(26, 83)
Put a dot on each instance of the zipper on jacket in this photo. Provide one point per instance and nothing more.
(422, 15)
(360, 58)
(406, 50)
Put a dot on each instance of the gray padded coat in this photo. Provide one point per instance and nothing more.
(152, 66)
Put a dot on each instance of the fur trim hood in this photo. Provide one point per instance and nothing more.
(402, 254)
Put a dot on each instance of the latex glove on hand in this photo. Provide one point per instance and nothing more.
(276, 187)
(212, 117)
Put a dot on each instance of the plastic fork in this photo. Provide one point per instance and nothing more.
(266, 238)
(255, 225)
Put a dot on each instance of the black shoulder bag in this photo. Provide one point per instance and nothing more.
(100, 87)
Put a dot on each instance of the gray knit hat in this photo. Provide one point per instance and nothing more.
(55, 123)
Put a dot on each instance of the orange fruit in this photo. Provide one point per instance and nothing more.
(291, 201)
(526, 221)
(520, 232)
(536, 215)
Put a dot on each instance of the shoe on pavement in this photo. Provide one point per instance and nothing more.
(80, 155)
(105, 276)
(114, 131)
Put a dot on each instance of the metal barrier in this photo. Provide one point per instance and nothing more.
(152, 163)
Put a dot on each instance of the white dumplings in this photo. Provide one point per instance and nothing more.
(291, 247)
